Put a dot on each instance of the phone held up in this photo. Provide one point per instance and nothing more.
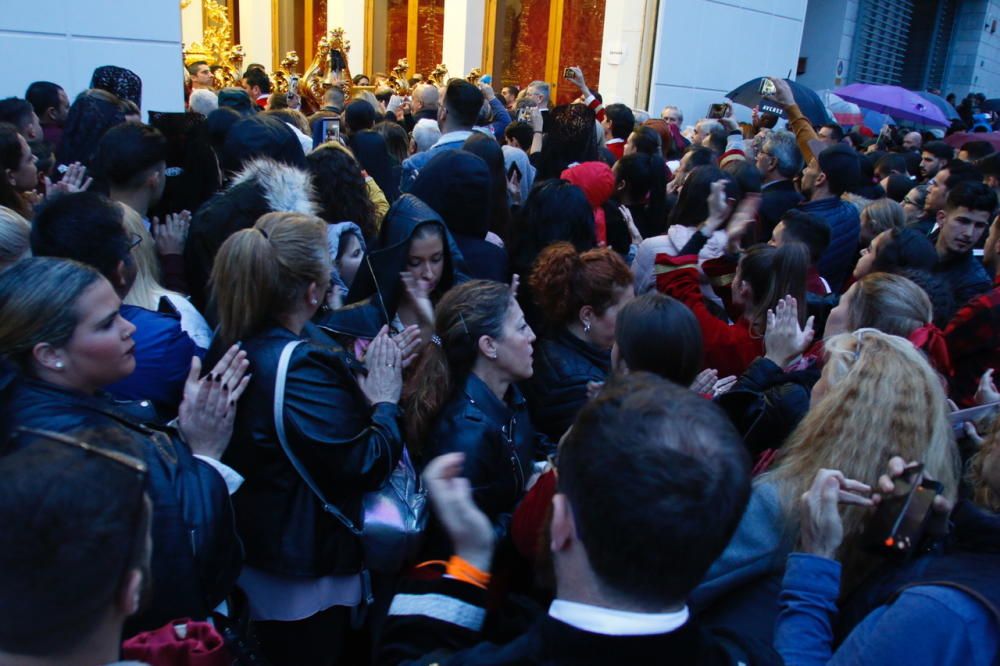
(898, 525)
(718, 111)
(767, 86)
(568, 73)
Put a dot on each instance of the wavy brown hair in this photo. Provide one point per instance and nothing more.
(465, 314)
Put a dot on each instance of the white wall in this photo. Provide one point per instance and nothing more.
(621, 50)
(825, 46)
(255, 32)
(462, 50)
(63, 41)
(349, 15)
(706, 48)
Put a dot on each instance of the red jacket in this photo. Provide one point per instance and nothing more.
(973, 338)
(729, 348)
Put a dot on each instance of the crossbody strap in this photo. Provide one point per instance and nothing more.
(279, 427)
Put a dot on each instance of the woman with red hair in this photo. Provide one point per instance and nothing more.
(580, 295)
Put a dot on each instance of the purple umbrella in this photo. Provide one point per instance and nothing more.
(899, 103)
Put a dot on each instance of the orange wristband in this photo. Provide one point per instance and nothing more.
(459, 569)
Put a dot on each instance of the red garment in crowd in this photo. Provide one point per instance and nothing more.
(973, 339)
(597, 181)
(729, 348)
(616, 147)
(815, 284)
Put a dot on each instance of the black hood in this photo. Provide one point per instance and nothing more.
(456, 184)
(378, 275)
(261, 136)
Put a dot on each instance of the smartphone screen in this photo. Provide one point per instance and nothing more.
(331, 129)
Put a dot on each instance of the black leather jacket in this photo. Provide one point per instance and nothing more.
(558, 388)
(196, 553)
(498, 441)
(349, 447)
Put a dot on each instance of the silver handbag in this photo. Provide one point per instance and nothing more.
(395, 516)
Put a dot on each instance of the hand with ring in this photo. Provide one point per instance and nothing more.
(384, 380)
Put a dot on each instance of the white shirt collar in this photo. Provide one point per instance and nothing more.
(611, 622)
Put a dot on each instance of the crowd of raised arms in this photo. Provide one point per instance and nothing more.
(475, 378)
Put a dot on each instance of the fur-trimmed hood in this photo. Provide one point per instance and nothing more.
(285, 188)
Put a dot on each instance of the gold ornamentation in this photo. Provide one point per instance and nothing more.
(217, 46)
(439, 76)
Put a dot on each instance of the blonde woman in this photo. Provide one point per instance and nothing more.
(877, 398)
(147, 292)
(15, 238)
(878, 216)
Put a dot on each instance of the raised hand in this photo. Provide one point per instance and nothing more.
(171, 235)
(419, 297)
(383, 381)
(208, 410)
(74, 180)
(723, 385)
(783, 92)
(987, 391)
(633, 231)
(937, 523)
(409, 343)
(822, 529)
(742, 218)
(468, 527)
(704, 381)
(784, 339)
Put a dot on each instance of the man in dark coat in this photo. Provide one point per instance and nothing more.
(647, 499)
(962, 223)
(779, 161)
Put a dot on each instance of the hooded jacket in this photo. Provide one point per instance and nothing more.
(334, 237)
(375, 294)
(456, 184)
(264, 186)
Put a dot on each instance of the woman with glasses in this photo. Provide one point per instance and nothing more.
(64, 340)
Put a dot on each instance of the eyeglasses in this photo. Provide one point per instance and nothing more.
(133, 241)
(131, 462)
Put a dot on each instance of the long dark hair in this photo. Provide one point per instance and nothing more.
(571, 138)
(491, 153)
(10, 158)
(396, 140)
(555, 211)
(677, 353)
(692, 203)
(772, 274)
(465, 314)
(341, 189)
(644, 174)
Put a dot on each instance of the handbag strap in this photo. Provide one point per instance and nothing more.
(279, 427)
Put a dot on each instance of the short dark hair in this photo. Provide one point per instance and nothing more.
(700, 156)
(809, 229)
(891, 163)
(73, 525)
(962, 172)
(128, 151)
(43, 95)
(85, 226)
(838, 131)
(259, 78)
(898, 186)
(555, 210)
(677, 354)
(975, 196)
(977, 150)
(359, 115)
(939, 149)
(658, 479)
(622, 120)
(193, 67)
(522, 132)
(16, 111)
(905, 248)
(463, 102)
(989, 165)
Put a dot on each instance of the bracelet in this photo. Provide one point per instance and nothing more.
(460, 569)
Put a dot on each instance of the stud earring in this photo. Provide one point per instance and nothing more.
(315, 302)
(59, 365)
(586, 327)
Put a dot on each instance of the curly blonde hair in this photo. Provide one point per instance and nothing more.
(883, 400)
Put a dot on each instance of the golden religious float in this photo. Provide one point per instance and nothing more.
(401, 42)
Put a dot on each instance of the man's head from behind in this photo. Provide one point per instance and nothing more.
(619, 121)
(652, 482)
(832, 172)
(133, 157)
(462, 102)
(966, 216)
(75, 561)
(19, 113)
(87, 227)
(425, 96)
(797, 226)
(257, 83)
(49, 101)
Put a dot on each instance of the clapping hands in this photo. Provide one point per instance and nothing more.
(785, 340)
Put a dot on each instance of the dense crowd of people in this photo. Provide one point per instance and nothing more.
(718, 394)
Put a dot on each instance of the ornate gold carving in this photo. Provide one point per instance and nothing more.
(217, 46)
